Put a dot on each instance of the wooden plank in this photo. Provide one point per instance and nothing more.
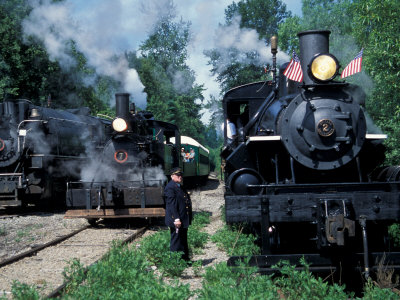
(116, 213)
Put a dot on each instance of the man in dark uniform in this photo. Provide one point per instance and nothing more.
(178, 213)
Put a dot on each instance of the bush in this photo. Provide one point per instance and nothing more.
(125, 274)
(222, 282)
(295, 284)
(22, 291)
(394, 233)
(156, 247)
(235, 242)
(372, 292)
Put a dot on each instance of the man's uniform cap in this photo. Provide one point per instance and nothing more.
(176, 171)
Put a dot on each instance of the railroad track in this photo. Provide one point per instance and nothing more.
(58, 291)
(43, 266)
(34, 250)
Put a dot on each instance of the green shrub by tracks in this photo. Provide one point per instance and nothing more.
(234, 242)
(156, 247)
(295, 284)
(221, 282)
(394, 234)
(124, 274)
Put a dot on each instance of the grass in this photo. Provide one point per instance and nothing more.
(3, 231)
(156, 247)
(127, 273)
(26, 232)
(234, 241)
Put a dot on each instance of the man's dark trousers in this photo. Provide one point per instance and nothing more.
(179, 242)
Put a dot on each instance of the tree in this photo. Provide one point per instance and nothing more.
(377, 29)
(335, 16)
(27, 72)
(234, 65)
(173, 95)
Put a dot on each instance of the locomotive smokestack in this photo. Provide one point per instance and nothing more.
(311, 43)
(122, 105)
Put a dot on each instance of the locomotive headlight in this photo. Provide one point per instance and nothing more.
(119, 125)
(323, 67)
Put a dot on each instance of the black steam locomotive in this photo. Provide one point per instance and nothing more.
(40, 147)
(127, 177)
(304, 167)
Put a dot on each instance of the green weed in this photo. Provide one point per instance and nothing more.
(156, 247)
(222, 282)
(22, 291)
(235, 242)
(394, 233)
(200, 220)
(123, 274)
(197, 267)
(3, 231)
(172, 264)
(74, 274)
(302, 284)
(372, 292)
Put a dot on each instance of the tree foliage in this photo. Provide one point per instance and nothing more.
(173, 95)
(27, 72)
(233, 66)
(377, 29)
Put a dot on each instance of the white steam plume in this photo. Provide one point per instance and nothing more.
(244, 40)
(96, 35)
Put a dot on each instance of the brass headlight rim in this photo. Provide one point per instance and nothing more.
(334, 74)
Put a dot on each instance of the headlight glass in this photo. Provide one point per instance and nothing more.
(324, 67)
(119, 125)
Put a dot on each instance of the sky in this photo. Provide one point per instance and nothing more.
(105, 28)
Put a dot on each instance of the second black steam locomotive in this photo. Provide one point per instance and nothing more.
(304, 168)
(127, 178)
(41, 148)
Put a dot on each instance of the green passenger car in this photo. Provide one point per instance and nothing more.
(195, 159)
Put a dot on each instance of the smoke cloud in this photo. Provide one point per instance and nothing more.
(244, 40)
(95, 34)
(105, 30)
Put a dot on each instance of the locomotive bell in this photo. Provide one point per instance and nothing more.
(34, 113)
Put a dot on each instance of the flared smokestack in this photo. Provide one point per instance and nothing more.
(122, 105)
(311, 43)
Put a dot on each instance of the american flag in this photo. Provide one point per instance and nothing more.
(354, 66)
(293, 70)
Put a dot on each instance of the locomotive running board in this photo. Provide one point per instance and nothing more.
(318, 263)
(115, 213)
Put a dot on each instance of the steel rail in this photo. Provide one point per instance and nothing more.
(41, 247)
(58, 291)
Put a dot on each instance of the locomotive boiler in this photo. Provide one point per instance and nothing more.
(126, 178)
(40, 147)
(305, 168)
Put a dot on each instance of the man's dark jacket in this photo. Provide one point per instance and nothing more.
(178, 205)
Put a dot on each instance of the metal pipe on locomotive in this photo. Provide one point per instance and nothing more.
(304, 169)
(40, 147)
(127, 177)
